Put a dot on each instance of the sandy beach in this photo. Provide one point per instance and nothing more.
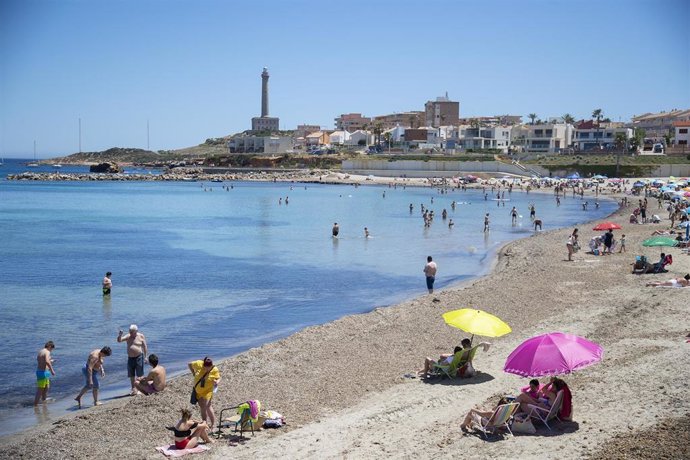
(343, 390)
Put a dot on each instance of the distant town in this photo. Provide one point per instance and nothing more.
(439, 128)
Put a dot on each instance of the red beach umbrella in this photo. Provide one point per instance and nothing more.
(607, 226)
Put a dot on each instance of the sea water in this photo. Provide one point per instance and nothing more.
(205, 270)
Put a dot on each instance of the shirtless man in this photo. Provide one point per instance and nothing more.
(43, 372)
(513, 215)
(155, 381)
(336, 230)
(136, 353)
(93, 366)
(107, 283)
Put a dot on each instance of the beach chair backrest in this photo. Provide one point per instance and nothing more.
(502, 414)
(556, 407)
(458, 360)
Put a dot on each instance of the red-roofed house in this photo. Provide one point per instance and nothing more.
(682, 132)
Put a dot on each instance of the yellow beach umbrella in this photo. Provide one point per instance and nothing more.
(476, 322)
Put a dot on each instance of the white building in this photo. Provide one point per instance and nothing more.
(340, 137)
(495, 137)
(590, 136)
(360, 137)
(260, 144)
(548, 137)
(397, 133)
(682, 136)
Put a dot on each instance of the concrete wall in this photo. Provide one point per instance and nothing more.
(418, 168)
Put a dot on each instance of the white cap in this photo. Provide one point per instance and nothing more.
(133, 327)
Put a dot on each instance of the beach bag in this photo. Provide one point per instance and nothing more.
(523, 425)
(193, 400)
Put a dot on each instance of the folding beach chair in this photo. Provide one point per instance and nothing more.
(544, 415)
(460, 358)
(242, 419)
(499, 419)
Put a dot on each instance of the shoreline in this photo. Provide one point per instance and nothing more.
(313, 348)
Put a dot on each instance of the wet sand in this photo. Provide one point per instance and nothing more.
(342, 386)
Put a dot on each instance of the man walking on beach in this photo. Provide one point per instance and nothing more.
(93, 367)
(107, 283)
(136, 352)
(430, 272)
(155, 381)
(43, 372)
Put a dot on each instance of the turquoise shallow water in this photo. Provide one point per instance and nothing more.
(217, 272)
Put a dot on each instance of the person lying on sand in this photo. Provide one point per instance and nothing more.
(676, 282)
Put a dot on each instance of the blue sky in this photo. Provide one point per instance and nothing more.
(192, 68)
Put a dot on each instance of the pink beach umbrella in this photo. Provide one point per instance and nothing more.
(552, 354)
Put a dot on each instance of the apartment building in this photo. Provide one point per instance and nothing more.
(657, 125)
(682, 135)
(260, 144)
(548, 137)
(495, 137)
(352, 122)
(441, 112)
(413, 119)
(588, 135)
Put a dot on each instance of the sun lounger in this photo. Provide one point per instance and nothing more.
(544, 415)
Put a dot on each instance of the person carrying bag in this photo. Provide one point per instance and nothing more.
(207, 379)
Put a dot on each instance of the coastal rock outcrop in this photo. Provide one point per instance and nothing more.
(107, 167)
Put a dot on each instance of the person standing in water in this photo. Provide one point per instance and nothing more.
(513, 215)
(44, 371)
(336, 229)
(93, 367)
(366, 232)
(430, 272)
(107, 283)
(486, 222)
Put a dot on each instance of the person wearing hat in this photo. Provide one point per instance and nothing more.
(137, 350)
(206, 379)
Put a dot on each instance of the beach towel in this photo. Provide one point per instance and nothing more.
(173, 452)
(567, 405)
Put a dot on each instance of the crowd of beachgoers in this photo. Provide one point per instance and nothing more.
(354, 387)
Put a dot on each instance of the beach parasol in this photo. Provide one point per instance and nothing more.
(599, 176)
(607, 226)
(658, 241)
(476, 322)
(552, 354)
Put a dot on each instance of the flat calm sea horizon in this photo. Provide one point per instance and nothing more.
(217, 268)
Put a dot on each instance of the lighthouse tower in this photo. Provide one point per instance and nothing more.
(265, 122)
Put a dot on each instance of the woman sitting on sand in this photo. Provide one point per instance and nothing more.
(676, 282)
(187, 431)
(477, 417)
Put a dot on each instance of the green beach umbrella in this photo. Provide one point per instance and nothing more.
(659, 241)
